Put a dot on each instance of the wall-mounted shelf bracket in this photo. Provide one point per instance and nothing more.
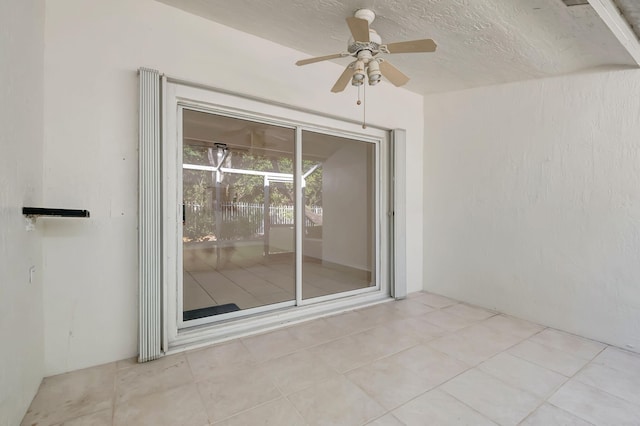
(39, 211)
(32, 213)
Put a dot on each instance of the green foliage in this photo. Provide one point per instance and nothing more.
(199, 189)
(237, 228)
(197, 192)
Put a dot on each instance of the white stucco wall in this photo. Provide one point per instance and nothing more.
(532, 201)
(21, 124)
(93, 50)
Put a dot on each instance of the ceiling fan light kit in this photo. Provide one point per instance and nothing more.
(358, 73)
(374, 73)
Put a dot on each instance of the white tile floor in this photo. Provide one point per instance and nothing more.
(427, 360)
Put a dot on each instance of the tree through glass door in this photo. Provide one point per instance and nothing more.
(238, 215)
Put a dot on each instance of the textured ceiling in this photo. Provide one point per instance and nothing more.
(480, 42)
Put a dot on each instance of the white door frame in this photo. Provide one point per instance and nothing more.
(177, 95)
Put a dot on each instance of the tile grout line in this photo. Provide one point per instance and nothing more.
(568, 378)
(557, 388)
(570, 413)
(144, 395)
(437, 387)
(430, 389)
(195, 384)
(114, 396)
(559, 350)
(592, 387)
(286, 397)
(262, 404)
(475, 367)
(199, 285)
(344, 374)
(599, 390)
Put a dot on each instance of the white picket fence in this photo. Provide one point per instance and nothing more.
(252, 212)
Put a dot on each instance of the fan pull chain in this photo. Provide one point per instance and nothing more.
(358, 101)
(364, 106)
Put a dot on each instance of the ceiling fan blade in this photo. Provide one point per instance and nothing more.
(393, 74)
(359, 29)
(413, 46)
(344, 79)
(321, 58)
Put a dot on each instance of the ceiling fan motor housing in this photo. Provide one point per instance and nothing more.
(373, 46)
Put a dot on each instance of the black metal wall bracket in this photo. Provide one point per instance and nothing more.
(34, 212)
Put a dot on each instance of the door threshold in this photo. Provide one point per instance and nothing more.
(210, 334)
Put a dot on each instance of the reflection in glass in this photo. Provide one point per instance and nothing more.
(238, 215)
(338, 231)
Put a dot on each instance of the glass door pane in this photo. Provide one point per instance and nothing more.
(238, 215)
(339, 234)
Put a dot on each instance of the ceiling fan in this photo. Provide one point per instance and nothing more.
(365, 46)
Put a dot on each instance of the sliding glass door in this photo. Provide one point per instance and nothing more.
(238, 215)
(339, 198)
(273, 215)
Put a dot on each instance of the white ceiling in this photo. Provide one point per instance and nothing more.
(480, 42)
